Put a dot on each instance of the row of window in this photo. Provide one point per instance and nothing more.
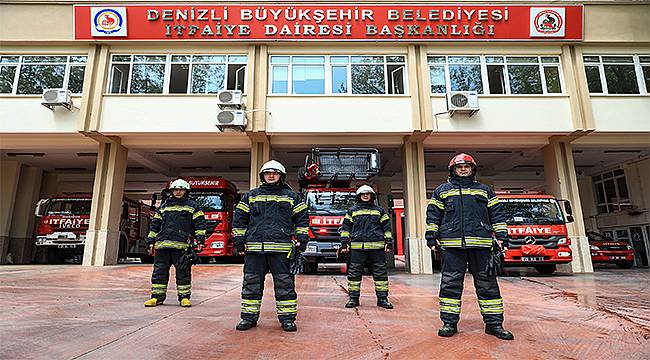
(611, 192)
(324, 75)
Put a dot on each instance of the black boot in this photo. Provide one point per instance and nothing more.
(289, 326)
(447, 330)
(499, 331)
(383, 302)
(246, 325)
(352, 302)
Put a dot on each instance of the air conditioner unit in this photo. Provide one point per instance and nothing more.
(57, 97)
(462, 101)
(228, 99)
(231, 118)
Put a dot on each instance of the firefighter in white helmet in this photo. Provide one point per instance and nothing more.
(266, 221)
(176, 222)
(366, 231)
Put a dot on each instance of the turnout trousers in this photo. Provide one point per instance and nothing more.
(376, 262)
(256, 266)
(162, 262)
(454, 264)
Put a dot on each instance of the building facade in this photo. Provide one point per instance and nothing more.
(563, 91)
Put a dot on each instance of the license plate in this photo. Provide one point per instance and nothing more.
(311, 249)
(67, 246)
(617, 257)
(532, 258)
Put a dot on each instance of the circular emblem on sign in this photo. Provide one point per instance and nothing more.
(548, 22)
(530, 240)
(108, 21)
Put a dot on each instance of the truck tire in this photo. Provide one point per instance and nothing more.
(625, 265)
(146, 259)
(54, 256)
(311, 267)
(546, 269)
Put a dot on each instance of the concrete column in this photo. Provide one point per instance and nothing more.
(561, 181)
(22, 223)
(383, 188)
(103, 235)
(417, 253)
(9, 175)
(260, 153)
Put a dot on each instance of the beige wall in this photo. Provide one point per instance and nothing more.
(26, 114)
(621, 113)
(617, 23)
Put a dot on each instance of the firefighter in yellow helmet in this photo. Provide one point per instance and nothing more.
(178, 220)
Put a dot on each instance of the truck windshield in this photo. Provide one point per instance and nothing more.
(532, 211)
(208, 201)
(330, 202)
(70, 206)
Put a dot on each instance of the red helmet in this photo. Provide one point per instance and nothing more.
(462, 158)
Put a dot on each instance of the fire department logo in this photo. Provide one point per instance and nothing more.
(545, 22)
(108, 21)
(530, 240)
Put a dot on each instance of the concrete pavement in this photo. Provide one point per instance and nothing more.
(73, 312)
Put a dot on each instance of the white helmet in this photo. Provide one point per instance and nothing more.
(273, 166)
(179, 184)
(365, 189)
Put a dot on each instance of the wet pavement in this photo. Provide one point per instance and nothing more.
(74, 312)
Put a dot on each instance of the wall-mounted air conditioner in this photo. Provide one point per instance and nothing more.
(231, 118)
(57, 97)
(462, 101)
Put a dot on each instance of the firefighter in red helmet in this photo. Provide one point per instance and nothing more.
(463, 219)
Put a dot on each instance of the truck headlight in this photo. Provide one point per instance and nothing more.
(629, 247)
(563, 254)
(594, 247)
(562, 241)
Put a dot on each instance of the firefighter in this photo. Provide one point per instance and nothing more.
(175, 223)
(462, 218)
(365, 232)
(265, 222)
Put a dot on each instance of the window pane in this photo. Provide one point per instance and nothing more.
(207, 79)
(593, 79)
(367, 59)
(395, 79)
(209, 58)
(308, 60)
(524, 79)
(45, 59)
(237, 58)
(622, 188)
(521, 59)
(178, 78)
(339, 59)
(494, 59)
(437, 78)
(339, 79)
(646, 77)
(463, 59)
(550, 60)
(76, 80)
(622, 235)
(436, 59)
(393, 59)
(121, 58)
(9, 59)
(621, 79)
(618, 59)
(181, 58)
(280, 82)
(465, 78)
(496, 79)
(591, 59)
(610, 192)
(368, 79)
(33, 79)
(78, 59)
(644, 59)
(619, 172)
(149, 58)
(119, 82)
(600, 193)
(308, 79)
(7, 75)
(236, 76)
(280, 60)
(147, 79)
(552, 75)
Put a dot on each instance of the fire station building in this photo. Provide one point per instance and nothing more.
(551, 97)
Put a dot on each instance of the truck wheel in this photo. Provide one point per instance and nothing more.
(546, 269)
(625, 265)
(311, 267)
(54, 256)
(146, 259)
(205, 260)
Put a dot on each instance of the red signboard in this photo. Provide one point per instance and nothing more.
(260, 22)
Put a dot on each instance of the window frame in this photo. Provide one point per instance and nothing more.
(638, 72)
(506, 74)
(598, 182)
(168, 69)
(329, 65)
(66, 75)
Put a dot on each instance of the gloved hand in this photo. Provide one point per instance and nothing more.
(302, 246)
(150, 241)
(240, 248)
(388, 247)
(345, 247)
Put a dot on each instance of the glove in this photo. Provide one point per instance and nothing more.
(389, 246)
(494, 265)
(302, 246)
(240, 247)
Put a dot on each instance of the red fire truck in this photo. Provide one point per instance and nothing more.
(326, 182)
(217, 198)
(537, 231)
(63, 221)
(605, 250)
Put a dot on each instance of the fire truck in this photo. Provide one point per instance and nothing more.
(537, 230)
(63, 221)
(327, 183)
(605, 250)
(217, 198)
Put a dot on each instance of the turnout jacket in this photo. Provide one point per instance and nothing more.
(464, 213)
(366, 227)
(268, 217)
(174, 222)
